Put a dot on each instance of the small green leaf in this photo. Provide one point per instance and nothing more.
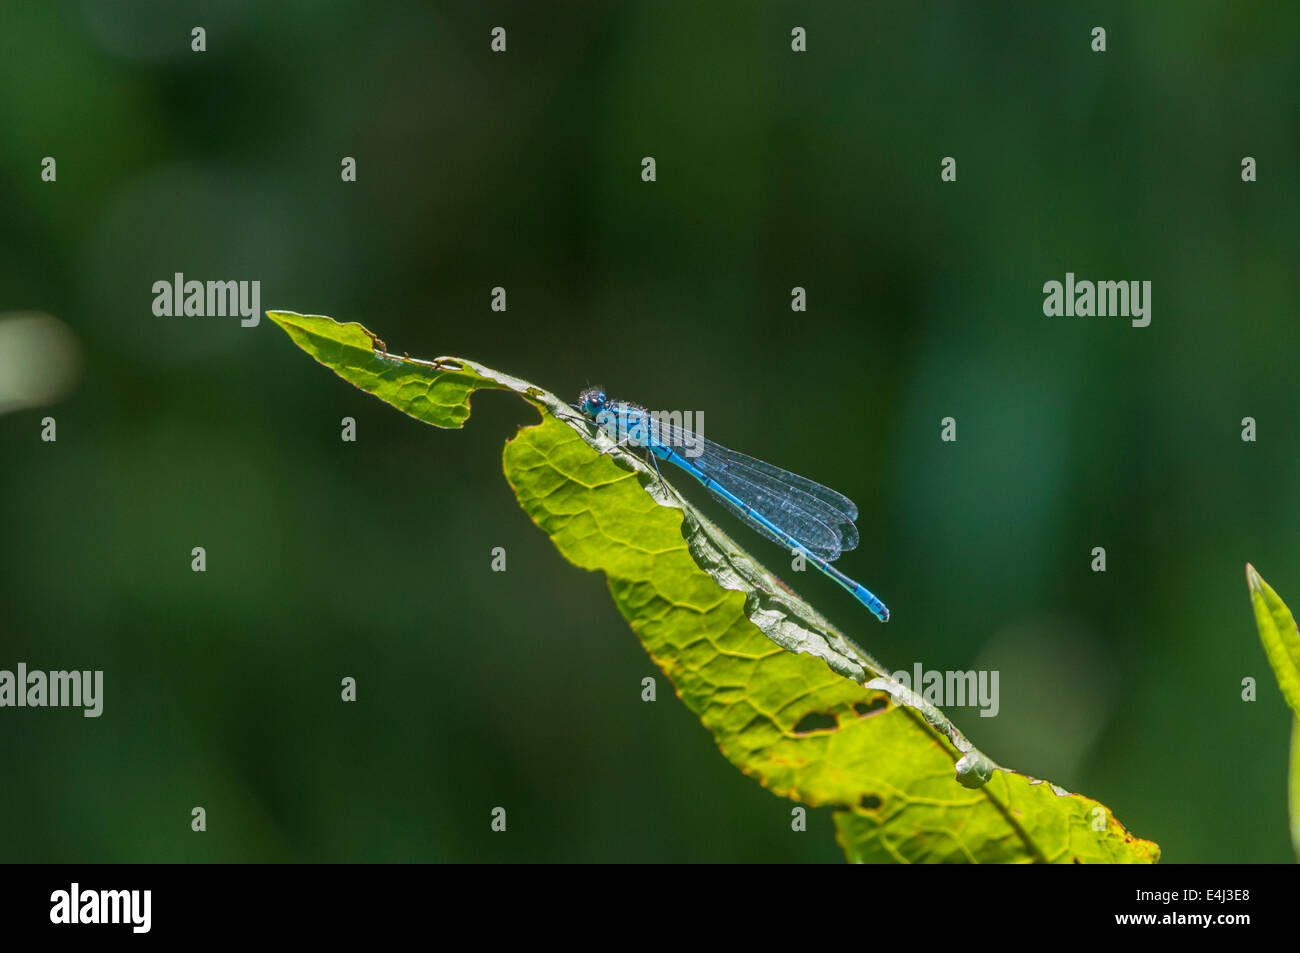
(790, 700)
(435, 392)
(1277, 630)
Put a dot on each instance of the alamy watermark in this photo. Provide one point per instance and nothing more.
(1084, 299)
(218, 299)
(954, 689)
(38, 689)
(127, 907)
(663, 428)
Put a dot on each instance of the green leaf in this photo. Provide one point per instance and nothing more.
(435, 392)
(1277, 630)
(790, 700)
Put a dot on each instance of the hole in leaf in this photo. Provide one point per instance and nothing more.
(875, 706)
(870, 802)
(816, 721)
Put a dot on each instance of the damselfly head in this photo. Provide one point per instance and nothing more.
(592, 401)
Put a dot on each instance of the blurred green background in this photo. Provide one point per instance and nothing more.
(775, 169)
